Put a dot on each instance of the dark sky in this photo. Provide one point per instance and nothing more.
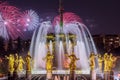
(101, 16)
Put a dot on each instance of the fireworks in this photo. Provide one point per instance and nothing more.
(68, 17)
(8, 21)
(12, 21)
(29, 20)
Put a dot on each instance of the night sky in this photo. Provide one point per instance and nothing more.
(100, 16)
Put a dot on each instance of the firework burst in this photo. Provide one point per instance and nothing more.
(68, 17)
(29, 20)
(8, 21)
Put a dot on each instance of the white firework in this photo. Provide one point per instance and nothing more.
(29, 20)
(3, 29)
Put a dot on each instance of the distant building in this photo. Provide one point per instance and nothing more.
(109, 42)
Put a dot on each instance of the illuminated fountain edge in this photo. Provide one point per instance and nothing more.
(61, 72)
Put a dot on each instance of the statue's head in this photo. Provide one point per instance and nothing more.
(16, 55)
(28, 54)
(105, 54)
(20, 57)
(99, 55)
(92, 54)
(10, 55)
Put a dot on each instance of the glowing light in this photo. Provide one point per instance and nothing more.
(27, 24)
(5, 23)
(28, 20)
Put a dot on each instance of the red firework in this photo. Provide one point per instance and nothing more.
(10, 14)
(68, 17)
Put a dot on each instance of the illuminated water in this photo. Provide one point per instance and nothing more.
(84, 45)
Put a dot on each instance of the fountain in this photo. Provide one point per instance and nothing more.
(75, 37)
(65, 35)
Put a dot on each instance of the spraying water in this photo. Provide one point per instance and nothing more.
(84, 45)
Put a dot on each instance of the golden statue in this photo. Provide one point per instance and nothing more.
(28, 62)
(21, 63)
(16, 62)
(73, 60)
(100, 60)
(49, 61)
(10, 63)
(106, 59)
(92, 61)
(111, 62)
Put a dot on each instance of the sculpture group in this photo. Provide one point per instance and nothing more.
(16, 63)
(105, 62)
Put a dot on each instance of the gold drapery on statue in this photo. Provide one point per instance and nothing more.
(73, 60)
(28, 62)
(49, 61)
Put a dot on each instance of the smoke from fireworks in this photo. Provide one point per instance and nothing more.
(68, 17)
(8, 21)
(29, 20)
